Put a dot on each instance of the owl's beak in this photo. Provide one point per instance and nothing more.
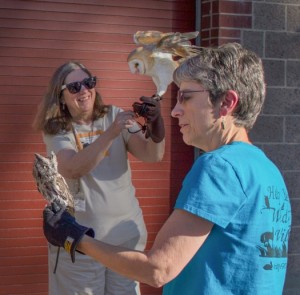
(136, 67)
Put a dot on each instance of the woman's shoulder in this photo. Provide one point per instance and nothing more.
(109, 116)
(221, 156)
(113, 111)
(60, 136)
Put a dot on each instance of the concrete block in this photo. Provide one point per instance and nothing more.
(253, 40)
(292, 181)
(295, 203)
(267, 129)
(293, 73)
(282, 101)
(292, 282)
(293, 17)
(294, 240)
(268, 16)
(284, 2)
(285, 156)
(274, 72)
(292, 130)
(282, 45)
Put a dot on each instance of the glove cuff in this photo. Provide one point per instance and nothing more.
(157, 130)
(74, 237)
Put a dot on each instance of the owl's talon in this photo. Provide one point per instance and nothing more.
(157, 97)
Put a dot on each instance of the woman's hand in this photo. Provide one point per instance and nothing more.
(124, 120)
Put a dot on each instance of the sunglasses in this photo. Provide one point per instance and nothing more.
(75, 87)
(181, 95)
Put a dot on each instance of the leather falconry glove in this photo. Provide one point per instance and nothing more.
(155, 123)
(62, 230)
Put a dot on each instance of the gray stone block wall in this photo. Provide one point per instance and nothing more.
(275, 36)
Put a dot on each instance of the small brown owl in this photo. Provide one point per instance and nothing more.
(50, 183)
(159, 55)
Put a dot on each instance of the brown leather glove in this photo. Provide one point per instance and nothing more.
(155, 123)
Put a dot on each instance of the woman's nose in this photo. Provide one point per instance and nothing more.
(177, 110)
(83, 87)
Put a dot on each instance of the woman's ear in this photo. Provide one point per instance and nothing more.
(229, 102)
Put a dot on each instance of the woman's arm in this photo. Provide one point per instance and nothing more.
(175, 245)
(145, 149)
(72, 164)
(149, 147)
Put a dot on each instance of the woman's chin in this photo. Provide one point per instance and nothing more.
(186, 140)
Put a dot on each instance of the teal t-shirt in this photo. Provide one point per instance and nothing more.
(242, 192)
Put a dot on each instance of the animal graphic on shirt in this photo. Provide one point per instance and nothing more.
(273, 240)
(50, 183)
(159, 54)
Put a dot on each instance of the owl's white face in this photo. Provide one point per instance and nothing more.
(137, 66)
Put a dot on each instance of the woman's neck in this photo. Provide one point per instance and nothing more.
(83, 120)
(228, 136)
(235, 134)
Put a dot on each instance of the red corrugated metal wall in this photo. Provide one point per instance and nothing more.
(35, 38)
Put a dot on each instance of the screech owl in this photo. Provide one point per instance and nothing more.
(50, 183)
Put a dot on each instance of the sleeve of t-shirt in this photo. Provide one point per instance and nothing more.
(58, 142)
(212, 190)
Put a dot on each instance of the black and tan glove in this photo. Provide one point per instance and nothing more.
(62, 230)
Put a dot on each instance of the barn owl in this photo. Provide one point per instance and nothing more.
(159, 54)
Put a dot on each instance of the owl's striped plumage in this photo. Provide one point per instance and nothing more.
(50, 183)
(159, 54)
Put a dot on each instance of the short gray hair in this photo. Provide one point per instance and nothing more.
(228, 67)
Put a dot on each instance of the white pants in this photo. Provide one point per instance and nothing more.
(87, 276)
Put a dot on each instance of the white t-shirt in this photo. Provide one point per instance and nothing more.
(106, 198)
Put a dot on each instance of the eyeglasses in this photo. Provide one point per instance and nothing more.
(181, 95)
(75, 87)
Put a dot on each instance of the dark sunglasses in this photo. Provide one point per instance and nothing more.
(181, 95)
(75, 87)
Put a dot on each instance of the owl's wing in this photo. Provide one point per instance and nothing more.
(64, 191)
(178, 44)
(148, 37)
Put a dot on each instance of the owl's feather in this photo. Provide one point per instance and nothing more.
(50, 183)
(159, 55)
(136, 56)
(148, 37)
(178, 44)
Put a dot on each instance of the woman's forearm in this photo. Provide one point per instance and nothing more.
(132, 264)
(75, 165)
